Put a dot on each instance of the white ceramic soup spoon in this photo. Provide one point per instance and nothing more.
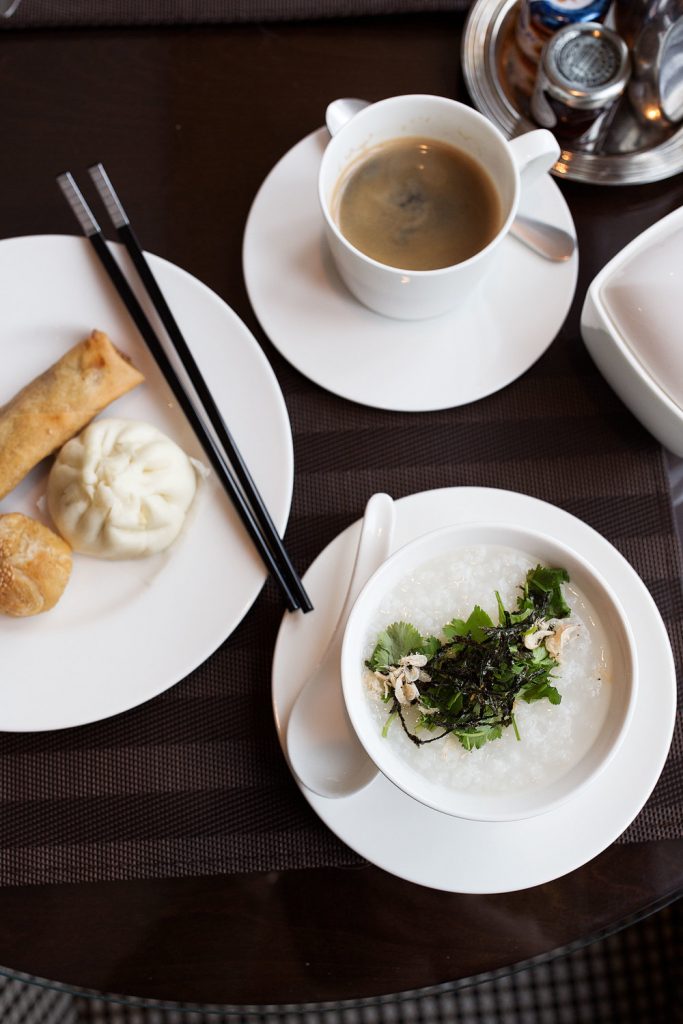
(545, 239)
(323, 749)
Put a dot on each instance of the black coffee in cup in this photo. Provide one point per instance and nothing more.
(417, 204)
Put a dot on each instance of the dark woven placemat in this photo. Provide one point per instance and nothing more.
(194, 782)
(71, 13)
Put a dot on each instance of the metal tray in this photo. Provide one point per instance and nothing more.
(630, 153)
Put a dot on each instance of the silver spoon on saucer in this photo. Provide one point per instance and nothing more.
(323, 749)
(545, 239)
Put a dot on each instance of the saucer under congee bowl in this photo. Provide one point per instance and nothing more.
(631, 325)
(574, 653)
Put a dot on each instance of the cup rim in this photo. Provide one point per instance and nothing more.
(460, 803)
(442, 101)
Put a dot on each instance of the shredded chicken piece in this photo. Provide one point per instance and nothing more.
(402, 679)
(555, 643)
(406, 692)
(532, 640)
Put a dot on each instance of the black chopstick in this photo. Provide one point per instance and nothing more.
(125, 232)
(92, 230)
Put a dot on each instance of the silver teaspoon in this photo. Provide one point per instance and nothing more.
(323, 749)
(545, 239)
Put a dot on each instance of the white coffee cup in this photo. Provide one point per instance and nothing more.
(418, 294)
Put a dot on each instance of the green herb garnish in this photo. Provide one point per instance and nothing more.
(398, 641)
(467, 683)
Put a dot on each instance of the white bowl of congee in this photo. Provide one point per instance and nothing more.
(489, 671)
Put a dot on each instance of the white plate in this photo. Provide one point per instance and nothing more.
(125, 631)
(404, 837)
(405, 366)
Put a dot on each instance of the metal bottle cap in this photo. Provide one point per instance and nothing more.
(585, 66)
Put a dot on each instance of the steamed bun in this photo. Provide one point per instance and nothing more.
(120, 489)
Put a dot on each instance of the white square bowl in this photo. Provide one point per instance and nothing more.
(632, 325)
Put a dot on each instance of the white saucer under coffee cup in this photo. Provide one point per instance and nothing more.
(419, 294)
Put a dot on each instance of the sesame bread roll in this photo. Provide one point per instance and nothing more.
(57, 405)
(35, 565)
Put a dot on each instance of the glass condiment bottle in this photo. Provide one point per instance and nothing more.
(629, 17)
(656, 88)
(582, 74)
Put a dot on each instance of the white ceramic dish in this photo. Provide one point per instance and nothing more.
(421, 845)
(317, 325)
(631, 325)
(125, 631)
(523, 801)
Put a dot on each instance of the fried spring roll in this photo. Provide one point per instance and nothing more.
(58, 404)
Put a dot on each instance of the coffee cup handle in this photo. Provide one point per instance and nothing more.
(535, 152)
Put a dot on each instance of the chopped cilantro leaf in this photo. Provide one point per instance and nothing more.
(544, 587)
(396, 642)
(475, 626)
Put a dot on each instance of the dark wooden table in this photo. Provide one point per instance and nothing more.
(188, 121)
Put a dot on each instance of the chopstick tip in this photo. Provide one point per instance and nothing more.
(108, 195)
(79, 207)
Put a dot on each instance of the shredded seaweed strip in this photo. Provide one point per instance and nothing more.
(467, 683)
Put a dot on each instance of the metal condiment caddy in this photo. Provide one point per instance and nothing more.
(572, 76)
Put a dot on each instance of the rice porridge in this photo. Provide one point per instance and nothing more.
(553, 738)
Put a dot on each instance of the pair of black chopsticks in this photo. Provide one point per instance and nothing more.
(225, 456)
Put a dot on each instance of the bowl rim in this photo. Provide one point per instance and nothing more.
(489, 807)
